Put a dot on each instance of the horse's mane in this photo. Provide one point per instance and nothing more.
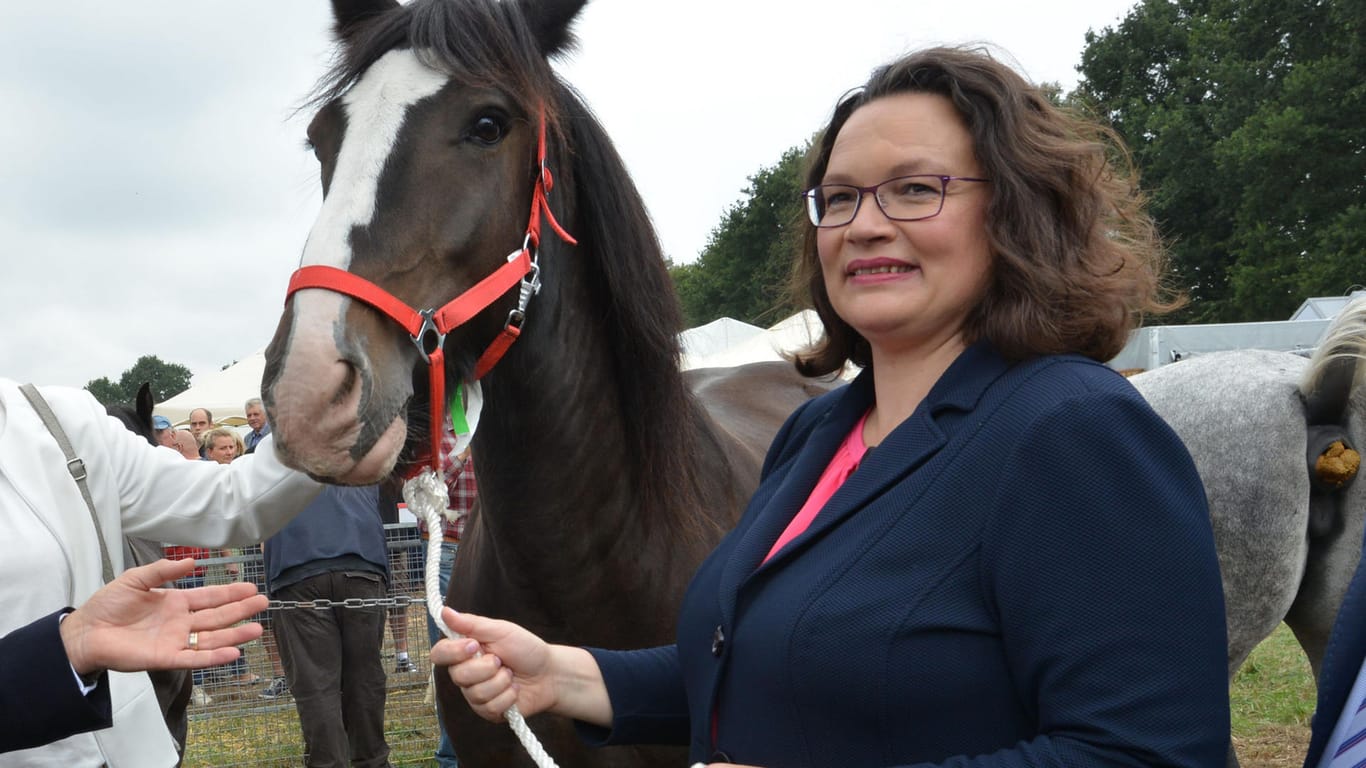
(475, 42)
(643, 317)
(486, 43)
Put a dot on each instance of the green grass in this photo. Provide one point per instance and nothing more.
(257, 735)
(1271, 697)
(1272, 701)
(241, 729)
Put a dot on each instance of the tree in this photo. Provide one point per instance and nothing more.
(742, 272)
(1246, 120)
(106, 391)
(166, 380)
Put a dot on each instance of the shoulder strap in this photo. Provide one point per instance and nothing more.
(75, 466)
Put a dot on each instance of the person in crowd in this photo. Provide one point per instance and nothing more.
(398, 624)
(222, 444)
(186, 443)
(334, 550)
(405, 557)
(463, 490)
(52, 553)
(201, 421)
(189, 448)
(399, 586)
(252, 568)
(54, 679)
(256, 419)
(987, 549)
(163, 432)
(194, 580)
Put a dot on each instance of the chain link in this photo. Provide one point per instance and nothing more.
(323, 604)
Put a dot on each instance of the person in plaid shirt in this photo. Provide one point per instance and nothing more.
(458, 470)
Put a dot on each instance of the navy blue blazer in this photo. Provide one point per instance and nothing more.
(39, 699)
(1342, 660)
(1022, 573)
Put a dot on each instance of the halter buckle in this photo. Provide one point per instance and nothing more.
(428, 332)
(531, 285)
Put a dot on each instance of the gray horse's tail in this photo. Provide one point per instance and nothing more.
(1332, 374)
(1327, 387)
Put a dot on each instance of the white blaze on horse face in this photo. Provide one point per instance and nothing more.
(375, 109)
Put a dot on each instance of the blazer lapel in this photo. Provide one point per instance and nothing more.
(909, 446)
(904, 451)
(793, 488)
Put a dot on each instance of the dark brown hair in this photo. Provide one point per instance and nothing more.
(1076, 260)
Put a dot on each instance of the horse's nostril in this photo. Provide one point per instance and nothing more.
(350, 380)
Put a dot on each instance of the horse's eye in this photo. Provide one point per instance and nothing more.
(487, 130)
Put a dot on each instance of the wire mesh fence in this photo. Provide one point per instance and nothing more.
(240, 717)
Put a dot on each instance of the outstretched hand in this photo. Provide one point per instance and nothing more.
(131, 624)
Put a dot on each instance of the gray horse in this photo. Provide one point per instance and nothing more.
(1255, 422)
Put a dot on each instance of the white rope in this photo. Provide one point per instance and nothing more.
(427, 498)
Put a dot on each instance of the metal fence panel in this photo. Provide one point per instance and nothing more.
(233, 724)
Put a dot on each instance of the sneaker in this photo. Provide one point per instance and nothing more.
(199, 698)
(404, 665)
(277, 688)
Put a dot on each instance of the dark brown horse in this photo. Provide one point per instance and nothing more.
(605, 475)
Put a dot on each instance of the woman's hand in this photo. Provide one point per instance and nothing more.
(497, 664)
(131, 624)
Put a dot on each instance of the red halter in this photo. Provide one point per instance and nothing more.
(438, 322)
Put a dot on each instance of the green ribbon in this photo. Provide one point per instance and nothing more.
(456, 407)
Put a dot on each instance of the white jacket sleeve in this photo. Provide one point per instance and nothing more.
(162, 495)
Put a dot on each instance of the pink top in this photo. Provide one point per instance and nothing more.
(841, 466)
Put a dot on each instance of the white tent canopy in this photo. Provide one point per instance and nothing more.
(786, 336)
(704, 340)
(224, 393)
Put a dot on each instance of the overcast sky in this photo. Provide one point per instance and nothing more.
(155, 193)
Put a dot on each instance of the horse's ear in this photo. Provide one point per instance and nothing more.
(350, 15)
(551, 21)
(144, 402)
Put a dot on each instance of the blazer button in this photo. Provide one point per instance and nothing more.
(718, 641)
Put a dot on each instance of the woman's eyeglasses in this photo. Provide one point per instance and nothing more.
(905, 198)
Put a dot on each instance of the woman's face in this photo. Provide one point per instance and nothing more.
(904, 285)
(223, 450)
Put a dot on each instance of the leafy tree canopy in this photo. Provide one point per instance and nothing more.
(166, 379)
(743, 271)
(1247, 120)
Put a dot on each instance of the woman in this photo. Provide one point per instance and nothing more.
(50, 549)
(223, 444)
(1012, 562)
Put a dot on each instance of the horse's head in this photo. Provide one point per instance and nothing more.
(427, 141)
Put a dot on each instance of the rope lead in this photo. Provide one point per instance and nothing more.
(427, 497)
